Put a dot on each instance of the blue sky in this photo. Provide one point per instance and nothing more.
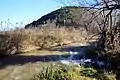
(26, 10)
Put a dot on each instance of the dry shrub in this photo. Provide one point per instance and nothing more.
(11, 41)
(24, 40)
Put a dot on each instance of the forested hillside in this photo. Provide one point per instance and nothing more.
(70, 16)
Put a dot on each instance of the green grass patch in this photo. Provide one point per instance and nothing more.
(62, 72)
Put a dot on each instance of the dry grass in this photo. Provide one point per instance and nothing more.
(24, 40)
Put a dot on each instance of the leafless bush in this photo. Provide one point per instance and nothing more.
(23, 40)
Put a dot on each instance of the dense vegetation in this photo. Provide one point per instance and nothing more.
(62, 72)
(62, 16)
(70, 16)
(24, 40)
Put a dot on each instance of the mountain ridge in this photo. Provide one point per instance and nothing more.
(68, 16)
(59, 16)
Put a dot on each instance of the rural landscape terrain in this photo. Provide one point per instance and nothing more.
(70, 43)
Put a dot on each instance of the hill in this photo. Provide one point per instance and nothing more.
(62, 16)
(69, 16)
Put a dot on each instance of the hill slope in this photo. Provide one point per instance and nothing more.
(67, 16)
(70, 16)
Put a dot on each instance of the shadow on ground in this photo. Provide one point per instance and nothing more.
(21, 59)
(24, 59)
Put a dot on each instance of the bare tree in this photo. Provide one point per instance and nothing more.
(109, 25)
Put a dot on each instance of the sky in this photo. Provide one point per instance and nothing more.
(25, 11)
(22, 12)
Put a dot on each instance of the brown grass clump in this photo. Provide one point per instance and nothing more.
(24, 40)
